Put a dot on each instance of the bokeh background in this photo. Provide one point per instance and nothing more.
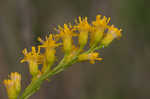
(123, 74)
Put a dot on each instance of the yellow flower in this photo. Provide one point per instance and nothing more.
(112, 33)
(33, 58)
(13, 85)
(48, 43)
(91, 56)
(49, 54)
(101, 23)
(66, 34)
(98, 28)
(83, 27)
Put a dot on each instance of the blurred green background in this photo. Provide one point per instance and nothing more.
(123, 74)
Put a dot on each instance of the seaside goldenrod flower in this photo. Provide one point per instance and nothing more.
(98, 28)
(91, 57)
(42, 57)
(100, 32)
(49, 44)
(34, 58)
(112, 33)
(83, 27)
(13, 85)
(66, 33)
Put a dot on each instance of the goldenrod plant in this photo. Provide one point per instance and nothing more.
(98, 33)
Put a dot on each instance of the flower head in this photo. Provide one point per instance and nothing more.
(66, 33)
(49, 56)
(83, 24)
(66, 30)
(33, 58)
(115, 31)
(98, 28)
(13, 85)
(101, 22)
(49, 42)
(112, 34)
(83, 27)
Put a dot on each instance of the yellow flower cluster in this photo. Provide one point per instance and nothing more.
(99, 32)
(13, 85)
